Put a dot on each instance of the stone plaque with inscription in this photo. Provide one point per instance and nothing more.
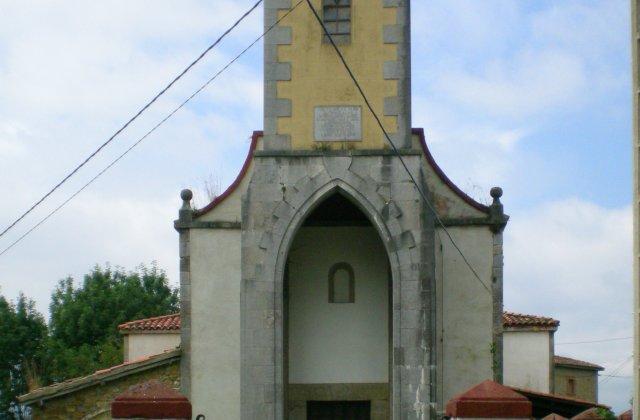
(338, 123)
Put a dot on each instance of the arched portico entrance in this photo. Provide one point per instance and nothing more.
(275, 208)
(337, 319)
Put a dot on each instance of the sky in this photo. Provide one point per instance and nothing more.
(530, 95)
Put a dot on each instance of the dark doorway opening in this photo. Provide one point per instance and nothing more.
(337, 210)
(338, 410)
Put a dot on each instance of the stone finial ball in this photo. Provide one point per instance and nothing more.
(186, 195)
(496, 192)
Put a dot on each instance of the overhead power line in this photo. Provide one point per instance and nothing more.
(393, 146)
(154, 128)
(604, 340)
(617, 370)
(131, 120)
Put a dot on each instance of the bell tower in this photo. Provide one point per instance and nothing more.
(318, 285)
(324, 177)
(310, 102)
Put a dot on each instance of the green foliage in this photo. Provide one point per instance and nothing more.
(23, 335)
(606, 414)
(82, 336)
(84, 320)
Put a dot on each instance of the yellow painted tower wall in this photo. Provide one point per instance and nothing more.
(318, 78)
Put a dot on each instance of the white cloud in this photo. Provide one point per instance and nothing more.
(521, 86)
(10, 144)
(70, 75)
(487, 75)
(571, 259)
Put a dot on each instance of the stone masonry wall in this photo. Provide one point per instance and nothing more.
(284, 188)
(95, 402)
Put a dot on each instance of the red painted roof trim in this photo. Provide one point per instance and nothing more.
(238, 180)
(416, 131)
(444, 178)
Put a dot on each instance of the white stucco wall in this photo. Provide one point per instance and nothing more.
(142, 345)
(465, 309)
(344, 342)
(215, 323)
(527, 359)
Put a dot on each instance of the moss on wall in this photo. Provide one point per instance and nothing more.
(586, 383)
(94, 402)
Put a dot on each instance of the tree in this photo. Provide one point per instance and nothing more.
(83, 326)
(23, 334)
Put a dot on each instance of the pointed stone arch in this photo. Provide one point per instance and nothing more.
(279, 199)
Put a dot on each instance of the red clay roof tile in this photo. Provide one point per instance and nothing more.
(567, 361)
(172, 322)
(158, 323)
(515, 320)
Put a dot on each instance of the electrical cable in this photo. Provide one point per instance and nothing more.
(154, 128)
(616, 370)
(393, 146)
(131, 120)
(595, 341)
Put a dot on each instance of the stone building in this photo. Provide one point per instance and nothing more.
(528, 370)
(321, 281)
(529, 351)
(530, 361)
(146, 337)
(90, 397)
(576, 378)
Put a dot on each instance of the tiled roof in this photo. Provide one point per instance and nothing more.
(100, 376)
(529, 393)
(158, 323)
(515, 320)
(567, 361)
(627, 415)
(554, 416)
(590, 414)
(172, 322)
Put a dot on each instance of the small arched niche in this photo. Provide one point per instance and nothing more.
(337, 315)
(342, 283)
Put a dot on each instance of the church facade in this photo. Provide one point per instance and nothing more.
(321, 281)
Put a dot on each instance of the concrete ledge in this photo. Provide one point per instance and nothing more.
(468, 221)
(321, 153)
(206, 225)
